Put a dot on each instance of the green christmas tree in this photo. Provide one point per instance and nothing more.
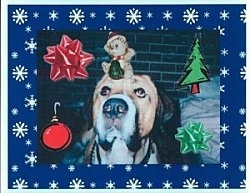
(196, 71)
(115, 70)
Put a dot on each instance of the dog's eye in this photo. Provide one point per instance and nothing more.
(140, 92)
(105, 91)
(116, 45)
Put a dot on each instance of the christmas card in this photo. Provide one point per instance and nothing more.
(123, 96)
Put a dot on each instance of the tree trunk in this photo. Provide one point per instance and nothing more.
(195, 88)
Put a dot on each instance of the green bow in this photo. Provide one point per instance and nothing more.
(193, 137)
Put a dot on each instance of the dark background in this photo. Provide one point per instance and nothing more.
(160, 54)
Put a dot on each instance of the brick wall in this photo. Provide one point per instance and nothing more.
(160, 54)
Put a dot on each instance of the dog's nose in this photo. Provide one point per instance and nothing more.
(115, 108)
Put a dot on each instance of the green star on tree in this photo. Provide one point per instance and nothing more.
(196, 71)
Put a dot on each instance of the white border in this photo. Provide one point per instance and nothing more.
(4, 88)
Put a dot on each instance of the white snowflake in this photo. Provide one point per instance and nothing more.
(76, 184)
(31, 159)
(224, 15)
(142, 28)
(243, 184)
(35, 72)
(190, 184)
(14, 55)
(48, 28)
(242, 54)
(71, 168)
(28, 29)
(206, 14)
(224, 72)
(224, 128)
(110, 185)
(110, 166)
(20, 16)
(149, 15)
(162, 28)
(242, 111)
(149, 184)
(35, 15)
(53, 15)
(20, 73)
(167, 166)
(243, 129)
(243, 73)
(28, 86)
(105, 28)
(199, 27)
(190, 16)
(128, 168)
(167, 15)
(31, 102)
(133, 184)
(224, 108)
(242, 168)
(222, 88)
(28, 142)
(35, 128)
(243, 16)
(206, 185)
(110, 15)
(224, 165)
(221, 30)
(35, 184)
(76, 16)
(53, 185)
(14, 168)
(31, 45)
(92, 185)
(222, 145)
(133, 16)
(53, 166)
(185, 168)
(92, 15)
(167, 185)
(85, 28)
(14, 111)
(224, 184)
(224, 52)
(20, 184)
(20, 129)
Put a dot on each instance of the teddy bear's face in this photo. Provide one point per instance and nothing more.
(117, 47)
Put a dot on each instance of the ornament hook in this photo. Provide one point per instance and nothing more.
(55, 105)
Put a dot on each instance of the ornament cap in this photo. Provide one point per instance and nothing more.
(54, 119)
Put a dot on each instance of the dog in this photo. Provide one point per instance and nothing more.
(117, 47)
(127, 124)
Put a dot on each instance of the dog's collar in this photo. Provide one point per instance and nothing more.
(95, 149)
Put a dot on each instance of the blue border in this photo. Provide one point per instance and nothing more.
(233, 40)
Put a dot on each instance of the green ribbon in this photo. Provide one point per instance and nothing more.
(193, 137)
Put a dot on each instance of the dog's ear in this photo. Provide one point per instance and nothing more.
(88, 114)
(164, 111)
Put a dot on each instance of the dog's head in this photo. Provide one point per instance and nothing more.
(116, 46)
(125, 111)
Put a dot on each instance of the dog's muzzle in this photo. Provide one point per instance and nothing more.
(117, 120)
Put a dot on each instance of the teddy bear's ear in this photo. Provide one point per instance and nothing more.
(106, 48)
(122, 39)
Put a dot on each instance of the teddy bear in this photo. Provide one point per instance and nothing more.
(120, 66)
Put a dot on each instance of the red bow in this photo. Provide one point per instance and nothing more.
(68, 60)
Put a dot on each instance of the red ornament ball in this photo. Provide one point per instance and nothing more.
(56, 136)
